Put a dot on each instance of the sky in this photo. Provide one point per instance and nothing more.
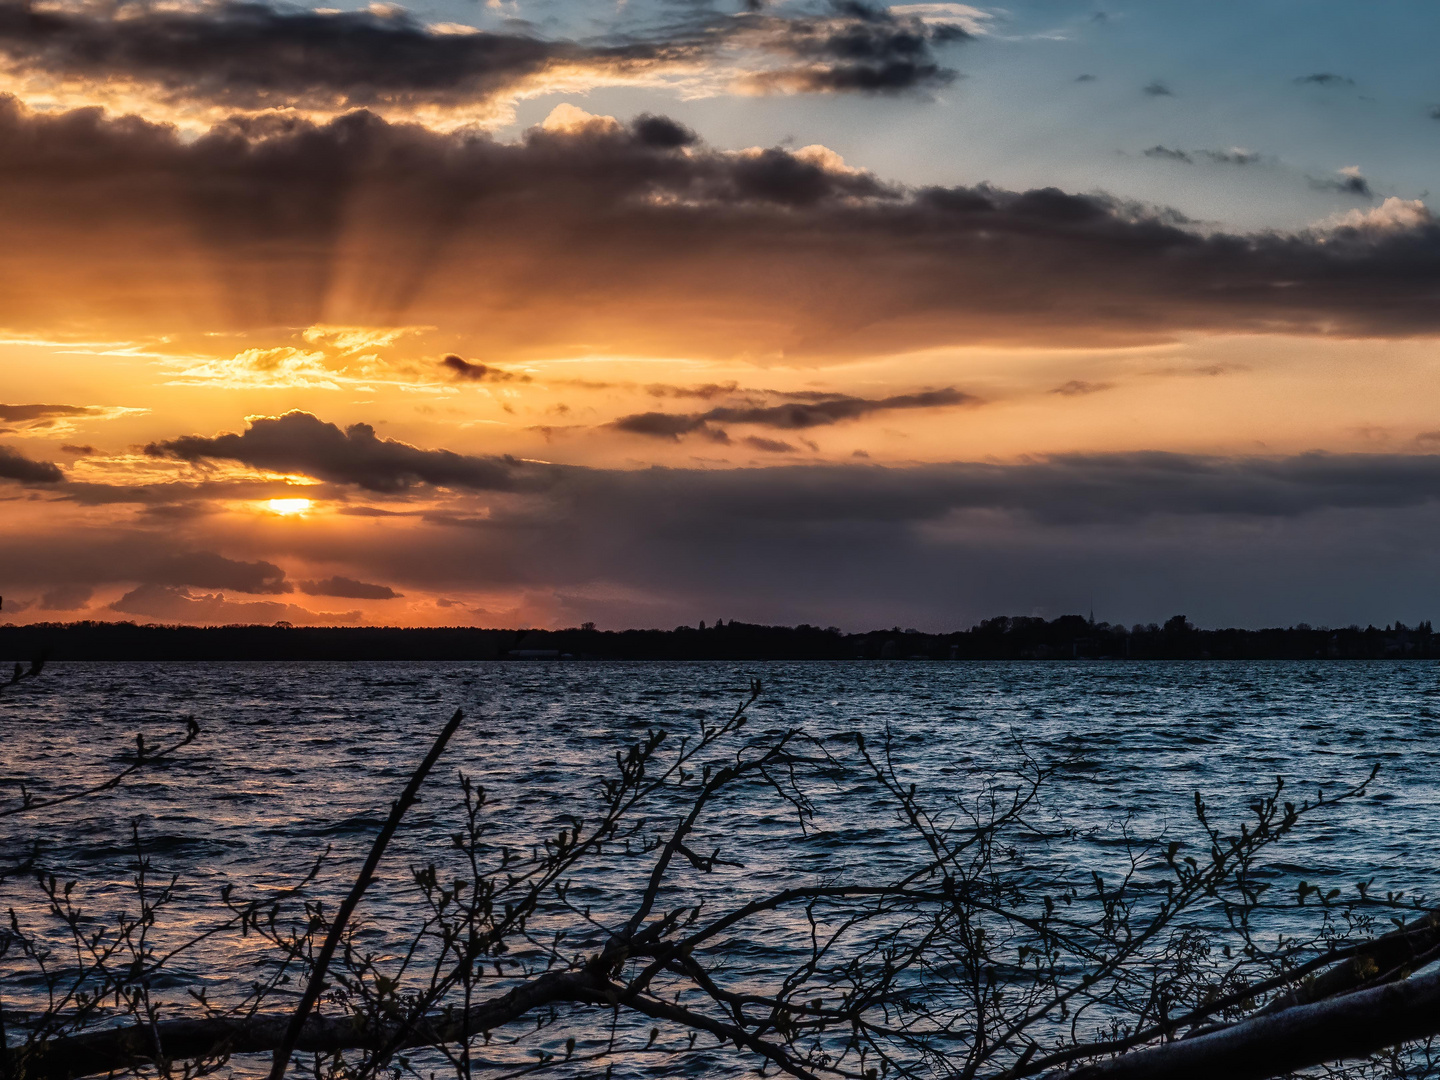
(532, 313)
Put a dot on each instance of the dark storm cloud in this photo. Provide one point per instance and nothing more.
(348, 588)
(16, 466)
(823, 410)
(207, 570)
(1169, 154)
(302, 443)
(251, 55)
(692, 248)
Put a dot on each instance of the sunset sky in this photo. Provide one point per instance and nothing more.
(536, 312)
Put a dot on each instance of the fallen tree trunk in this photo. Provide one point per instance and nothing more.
(1353, 1026)
(1348, 1027)
(108, 1050)
(1413, 944)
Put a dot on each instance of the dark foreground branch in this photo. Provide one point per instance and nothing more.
(1349, 1027)
(1338, 1029)
(347, 907)
(114, 1049)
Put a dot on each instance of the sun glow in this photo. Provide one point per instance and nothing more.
(289, 507)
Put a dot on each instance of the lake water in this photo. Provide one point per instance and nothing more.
(295, 757)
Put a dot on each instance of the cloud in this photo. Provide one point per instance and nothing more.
(57, 419)
(1346, 181)
(16, 466)
(67, 598)
(208, 570)
(1079, 387)
(246, 55)
(348, 588)
(1392, 214)
(281, 367)
(179, 605)
(660, 425)
(465, 370)
(18, 414)
(824, 410)
(591, 239)
(1324, 78)
(1098, 488)
(860, 47)
(705, 392)
(769, 446)
(1236, 155)
(976, 22)
(1253, 536)
(1158, 89)
(242, 54)
(301, 443)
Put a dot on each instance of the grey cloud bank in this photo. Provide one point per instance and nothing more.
(1320, 537)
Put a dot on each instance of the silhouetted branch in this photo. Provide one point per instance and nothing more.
(24, 674)
(352, 900)
(143, 759)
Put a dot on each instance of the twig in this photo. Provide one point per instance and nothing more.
(347, 907)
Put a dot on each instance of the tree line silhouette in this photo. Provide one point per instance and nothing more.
(1070, 637)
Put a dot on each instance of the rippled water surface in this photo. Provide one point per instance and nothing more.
(297, 757)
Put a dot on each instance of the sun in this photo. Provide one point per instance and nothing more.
(288, 507)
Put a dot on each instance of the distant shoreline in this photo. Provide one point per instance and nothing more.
(1020, 638)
